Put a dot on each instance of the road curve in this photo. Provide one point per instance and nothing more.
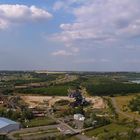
(121, 112)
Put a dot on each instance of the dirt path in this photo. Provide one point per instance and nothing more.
(121, 112)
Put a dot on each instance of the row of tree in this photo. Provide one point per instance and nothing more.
(113, 89)
(134, 104)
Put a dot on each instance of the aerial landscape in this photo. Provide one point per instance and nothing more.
(70, 105)
(70, 70)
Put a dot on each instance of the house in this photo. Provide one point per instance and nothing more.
(79, 117)
(79, 121)
(7, 125)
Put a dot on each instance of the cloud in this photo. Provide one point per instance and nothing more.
(58, 5)
(3, 24)
(101, 20)
(61, 53)
(69, 52)
(15, 14)
(103, 60)
(66, 4)
(75, 50)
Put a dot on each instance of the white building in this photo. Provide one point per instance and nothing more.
(79, 117)
(7, 125)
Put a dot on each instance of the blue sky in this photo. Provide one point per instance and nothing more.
(86, 35)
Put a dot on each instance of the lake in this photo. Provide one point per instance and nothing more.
(135, 81)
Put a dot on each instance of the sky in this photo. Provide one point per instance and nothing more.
(70, 35)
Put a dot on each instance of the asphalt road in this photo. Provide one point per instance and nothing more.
(74, 131)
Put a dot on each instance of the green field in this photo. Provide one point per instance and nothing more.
(108, 129)
(50, 91)
(39, 122)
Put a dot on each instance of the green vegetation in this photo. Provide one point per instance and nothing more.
(39, 122)
(52, 84)
(96, 83)
(16, 115)
(108, 129)
(2, 137)
(113, 89)
(30, 77)
(36, 133)
(111, 108)
(134, 104)
(44, 135)
(106, 84)
(60, 137)
(49, 91)
(129, 105)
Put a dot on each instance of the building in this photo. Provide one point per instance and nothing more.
(7, 125)
(79, 121)
(79, 117)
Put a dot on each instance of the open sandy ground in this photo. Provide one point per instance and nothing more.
(34, 101)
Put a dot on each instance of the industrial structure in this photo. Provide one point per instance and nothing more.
(7, 125)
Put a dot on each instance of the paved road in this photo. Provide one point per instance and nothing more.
(75, 131)
(70, 128)
(121, 112)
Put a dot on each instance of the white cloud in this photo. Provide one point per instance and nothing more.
(61, 53)
(69, 52)
(66, 4)
(75, 50)
(102, 20)
(3, 24)
(15, 14)
(104, 60)
(58, 5)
